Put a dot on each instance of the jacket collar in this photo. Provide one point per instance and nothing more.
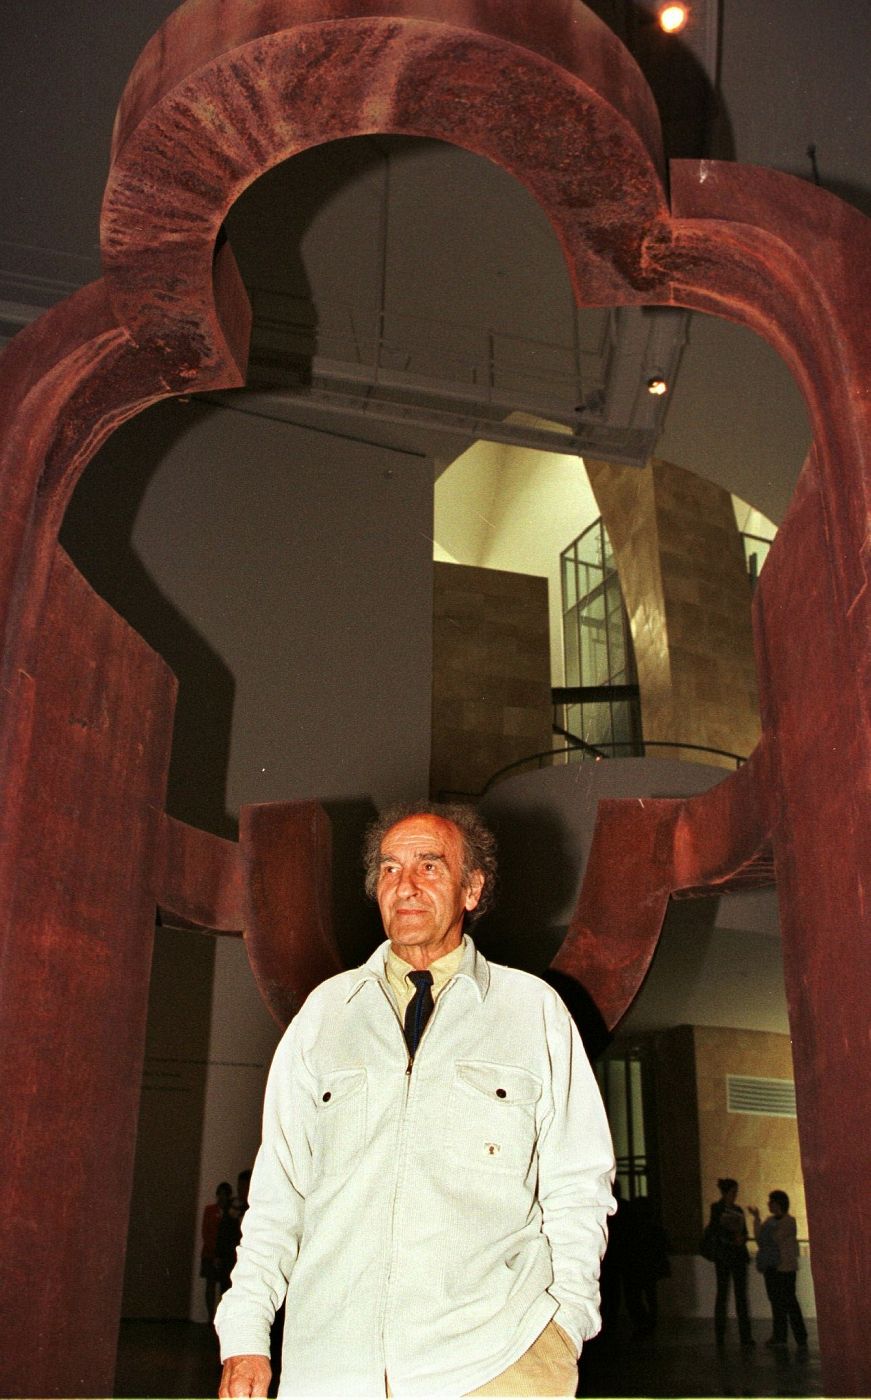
(473, 968)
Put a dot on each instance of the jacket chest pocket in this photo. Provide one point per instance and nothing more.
(491, 1116)
(340, 1126)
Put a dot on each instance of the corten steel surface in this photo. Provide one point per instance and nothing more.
(286, 849)
(198, 878)
(662, 848)
(74, 988)
(229, 88)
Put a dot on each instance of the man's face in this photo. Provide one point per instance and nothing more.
(421, 892)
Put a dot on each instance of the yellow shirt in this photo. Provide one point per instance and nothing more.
(443, 969)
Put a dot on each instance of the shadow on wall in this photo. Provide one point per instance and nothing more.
(267, 228)
(164, 1207)
(537, 882)
(97, 533)
(356, 921)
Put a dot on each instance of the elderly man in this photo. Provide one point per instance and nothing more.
(432, 1188)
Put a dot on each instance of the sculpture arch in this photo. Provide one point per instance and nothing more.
(228, 88)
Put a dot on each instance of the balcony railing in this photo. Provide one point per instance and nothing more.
(579, 750)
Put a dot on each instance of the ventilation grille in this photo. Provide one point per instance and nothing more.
(772, 1097)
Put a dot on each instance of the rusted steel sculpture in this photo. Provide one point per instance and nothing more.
(663, 848)
(226, 90)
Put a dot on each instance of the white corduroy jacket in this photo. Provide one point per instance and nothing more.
(424, 1221)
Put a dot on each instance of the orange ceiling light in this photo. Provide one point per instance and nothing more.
(672, 18)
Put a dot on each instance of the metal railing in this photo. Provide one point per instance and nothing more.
(645, 744)
(578, 749)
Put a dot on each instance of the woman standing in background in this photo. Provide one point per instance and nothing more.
(731, 1257)
(777, 1261)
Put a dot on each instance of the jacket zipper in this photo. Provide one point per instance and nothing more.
(399, 1158)
(400, 1141)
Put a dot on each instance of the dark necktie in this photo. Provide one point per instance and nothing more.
(417, 1013)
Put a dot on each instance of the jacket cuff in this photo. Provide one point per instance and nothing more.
(243, 1338)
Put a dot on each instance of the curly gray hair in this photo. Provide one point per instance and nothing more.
(479, 845)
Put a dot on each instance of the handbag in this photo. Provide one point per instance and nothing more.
(708, 1243)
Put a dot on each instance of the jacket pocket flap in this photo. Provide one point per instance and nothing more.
(503, 1083)
(337, 1086)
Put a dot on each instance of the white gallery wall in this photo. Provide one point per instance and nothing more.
(504, 507)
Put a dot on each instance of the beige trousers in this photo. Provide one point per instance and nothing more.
(549, 1367)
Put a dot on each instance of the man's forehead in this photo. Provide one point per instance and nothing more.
(433, 835)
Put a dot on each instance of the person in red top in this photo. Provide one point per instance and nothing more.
(220, 1235)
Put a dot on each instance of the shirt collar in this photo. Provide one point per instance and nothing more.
(441, 970)
(473, 967)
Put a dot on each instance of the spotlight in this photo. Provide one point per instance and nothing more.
(673, 18)
(657, 385)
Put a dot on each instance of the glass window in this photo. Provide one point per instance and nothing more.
(570, 581)
(755, 554)
(597, 643)
(570, 646)
(620, 1076)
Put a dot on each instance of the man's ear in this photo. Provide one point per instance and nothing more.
(473, 889)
